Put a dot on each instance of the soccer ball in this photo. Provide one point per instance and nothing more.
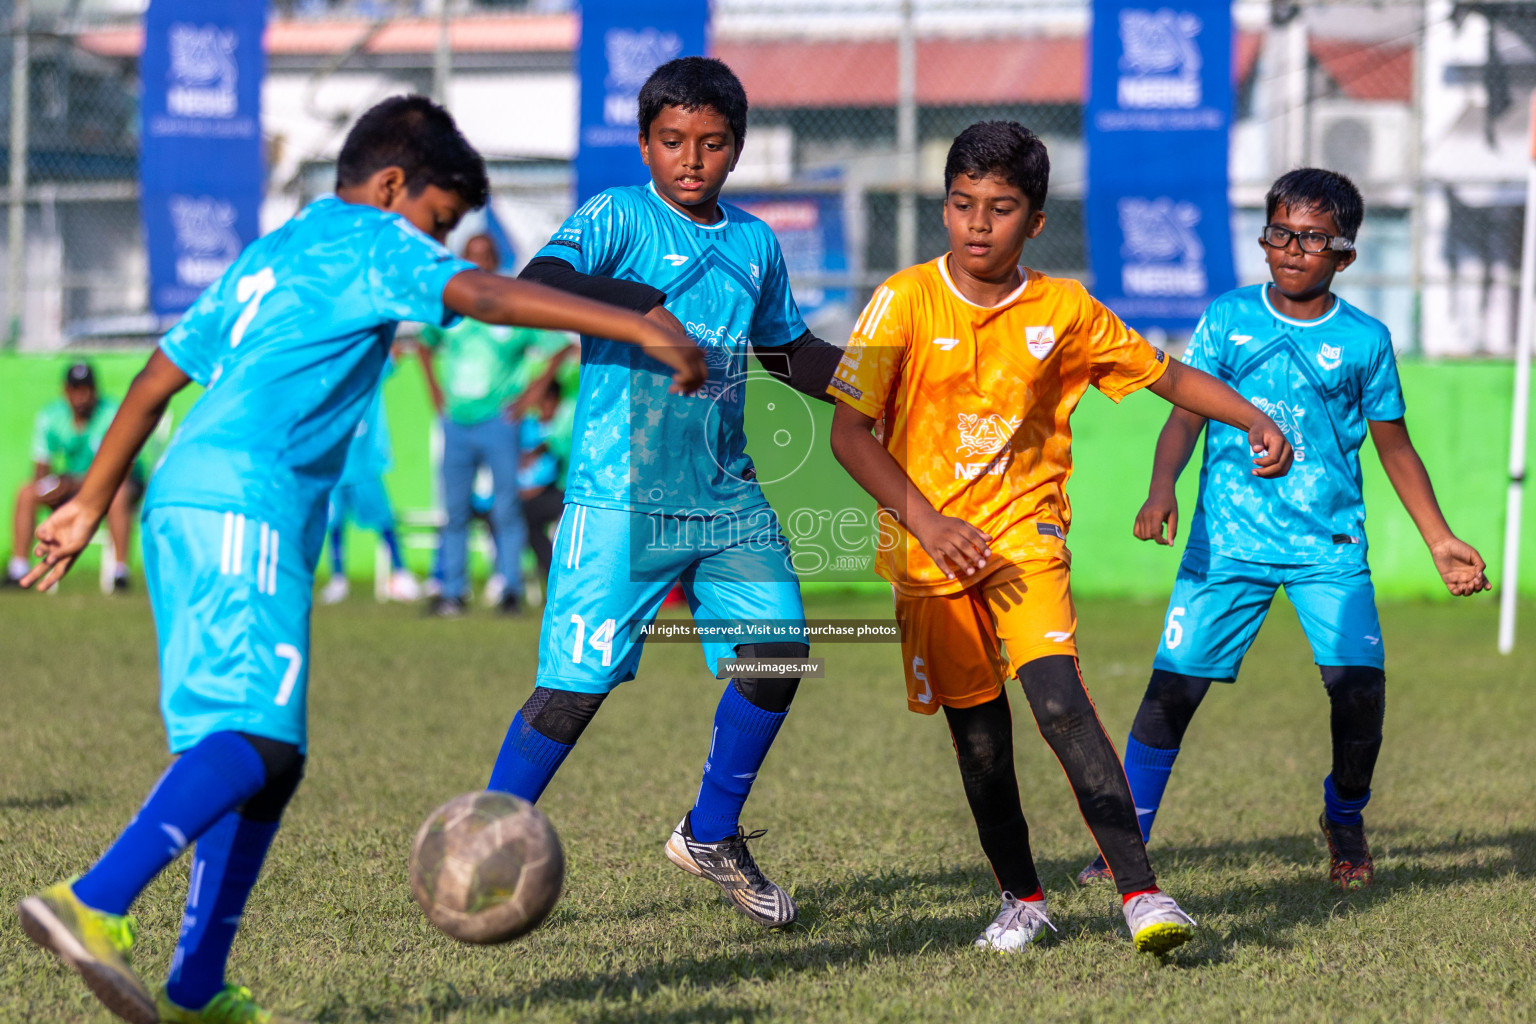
(487, 867)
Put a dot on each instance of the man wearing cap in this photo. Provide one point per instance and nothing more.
(65, 437)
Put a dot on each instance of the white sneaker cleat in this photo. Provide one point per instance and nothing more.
(729, 864)
(495, 587)
(1019, 924)
(403, 587)
(335, 590)
(1156, 922)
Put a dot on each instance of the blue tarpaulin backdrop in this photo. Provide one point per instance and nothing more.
(200, 158)
(1156, 127)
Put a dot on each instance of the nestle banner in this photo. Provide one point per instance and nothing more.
(809, 227)
(622, 42)
(200, 157)
(1158, 117)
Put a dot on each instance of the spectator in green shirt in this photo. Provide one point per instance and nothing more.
(473, 373)
(65, 437)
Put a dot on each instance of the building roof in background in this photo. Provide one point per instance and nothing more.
(496, 33)
(1366, 71)
(797, 73)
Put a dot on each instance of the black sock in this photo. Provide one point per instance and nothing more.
(983, 738)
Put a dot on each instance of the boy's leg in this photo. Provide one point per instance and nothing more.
(460, 460)
(743, 577)
(1337, 608)
(539, 512)
(1214, 614)
(950, 654)
(225, 865)
(588, 644)
(499, 445)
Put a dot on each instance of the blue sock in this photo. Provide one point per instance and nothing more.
(392, 541)
(219, 774)
(743, 734)
(225, 864)
(528, 760)
(1340, 810)
(336, 566)
(1147, 769)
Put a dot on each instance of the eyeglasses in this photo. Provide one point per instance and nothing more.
(1277, 237)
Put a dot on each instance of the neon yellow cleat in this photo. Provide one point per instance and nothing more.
(1156, 922)
(94, 944)
(231, 1006)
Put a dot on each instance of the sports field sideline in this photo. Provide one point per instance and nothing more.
(866, 824)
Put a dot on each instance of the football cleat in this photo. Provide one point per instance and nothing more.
(1350, 865)
(1019, 924)
(1097, 871)
(729, 865)
(94, 944)
(446, 608)
(1156, 922)
(335, 590)
(231, 1006)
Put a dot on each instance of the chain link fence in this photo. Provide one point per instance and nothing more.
(1424, 102)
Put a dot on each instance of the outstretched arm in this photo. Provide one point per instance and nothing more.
(1460, 566)
(1174, 446)
(65, 534)
(493, 299)
(1204, 395)
(955, 545)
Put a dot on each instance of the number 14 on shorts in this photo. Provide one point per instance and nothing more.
(600, 641)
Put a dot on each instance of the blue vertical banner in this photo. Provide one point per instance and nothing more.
(1158, 117)
(200, 157)
(622, 42)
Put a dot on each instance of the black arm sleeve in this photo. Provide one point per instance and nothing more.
(556, 273)
(805, 364)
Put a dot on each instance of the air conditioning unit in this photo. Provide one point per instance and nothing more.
(1369, 142)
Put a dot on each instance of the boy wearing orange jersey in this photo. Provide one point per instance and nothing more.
(975, 365)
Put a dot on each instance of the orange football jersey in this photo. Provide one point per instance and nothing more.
(976, 402)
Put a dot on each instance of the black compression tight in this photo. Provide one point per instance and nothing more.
(1070, 724)
(983, 738)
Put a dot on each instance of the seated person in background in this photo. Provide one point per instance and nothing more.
(65, 437)
(360, 496)
(545, 438)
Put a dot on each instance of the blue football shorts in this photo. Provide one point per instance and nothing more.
(1218, 605)
(364, 501)
(231, 598)
(613, 568)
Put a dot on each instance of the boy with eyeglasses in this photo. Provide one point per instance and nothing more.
(1325, 372)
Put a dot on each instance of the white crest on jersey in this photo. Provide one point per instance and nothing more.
(1040, 340)
(1330, 356)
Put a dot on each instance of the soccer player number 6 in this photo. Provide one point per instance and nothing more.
(1175, 631)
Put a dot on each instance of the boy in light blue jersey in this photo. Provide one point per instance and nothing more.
(1325, 372)
(660, 487)
(290, 343)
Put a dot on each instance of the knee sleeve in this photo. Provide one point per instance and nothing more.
(983, 738)
(560, 715)
(770, 693)
(284, 764)
(1357, 695)
(1056, 695)
(1167, 708)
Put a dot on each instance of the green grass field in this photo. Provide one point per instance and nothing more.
(866, 821)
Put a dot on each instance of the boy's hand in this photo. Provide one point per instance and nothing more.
(671, 344)
(955, 545)
(60, 539)
(1461, 567)
(1158, 510)
(1266, 437)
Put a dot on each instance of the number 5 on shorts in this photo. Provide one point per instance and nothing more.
(1173, 635)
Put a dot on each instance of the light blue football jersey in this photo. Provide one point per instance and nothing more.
(370, 451)
(1320, 380)
(290, 343)
(637, 447)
